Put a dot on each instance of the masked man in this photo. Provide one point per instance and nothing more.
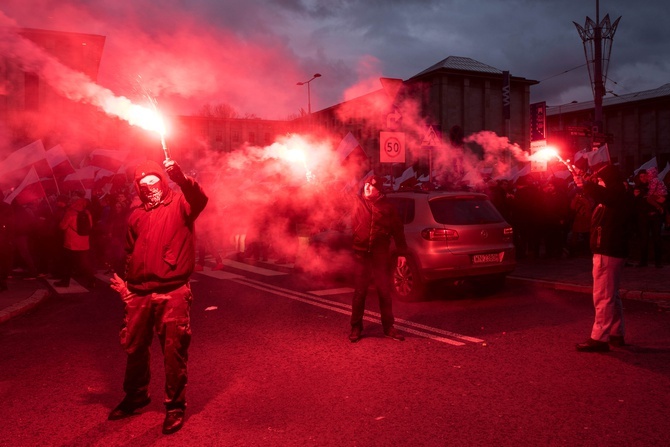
(160, 258)
(374, 222)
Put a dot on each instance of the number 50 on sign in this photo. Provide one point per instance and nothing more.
(392, 147)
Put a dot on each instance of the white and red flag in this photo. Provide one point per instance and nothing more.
(59, 162)
(347, 146)
(599, 156)
(81, 179)
(29, 190)
(111, 160)
(15, 167)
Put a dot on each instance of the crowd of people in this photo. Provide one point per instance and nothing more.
(551, 217)
(45, 238)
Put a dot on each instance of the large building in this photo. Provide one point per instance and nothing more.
(636, 127)
(457, 97)
(30, 108)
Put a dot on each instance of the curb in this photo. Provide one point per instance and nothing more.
(24, 306)
(624, 293)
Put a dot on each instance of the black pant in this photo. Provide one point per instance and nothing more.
(649, 227)
(372, 267)
(77, 260)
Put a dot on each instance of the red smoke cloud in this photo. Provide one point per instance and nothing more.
(181, 58)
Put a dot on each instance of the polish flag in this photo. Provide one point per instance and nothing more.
(347, 146)
(408, 176)
(59, 162)
(16, 166)
(599, 156)
(110, 160)
(29, 190)
(81, 179)
(103, 177)
(648, 165)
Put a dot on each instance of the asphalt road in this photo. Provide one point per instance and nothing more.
(271, 365)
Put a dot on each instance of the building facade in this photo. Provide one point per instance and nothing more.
(456, 97)
(29, 108)
(636, 127)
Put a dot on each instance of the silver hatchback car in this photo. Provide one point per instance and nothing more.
(451, 236)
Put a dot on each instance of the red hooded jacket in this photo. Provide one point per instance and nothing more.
(160, 241)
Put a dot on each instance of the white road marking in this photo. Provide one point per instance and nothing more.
(405, 325)
(331, 291)
(311, 297)
(74, 287)
(219, 274)
(251, 268)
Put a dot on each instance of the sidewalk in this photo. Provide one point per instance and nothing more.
(645, 284)
(21, 296)
(642, 284)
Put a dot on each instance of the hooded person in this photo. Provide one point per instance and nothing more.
(609, 236)
(374, 222)
(160, 258)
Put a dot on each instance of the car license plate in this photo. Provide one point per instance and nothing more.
(488, 258)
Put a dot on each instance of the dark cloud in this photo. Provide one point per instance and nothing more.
(251, 54)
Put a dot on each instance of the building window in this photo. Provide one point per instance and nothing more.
(268, 138)
(252, 138)
(236, 136)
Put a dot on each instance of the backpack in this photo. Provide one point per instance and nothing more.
(83, 224)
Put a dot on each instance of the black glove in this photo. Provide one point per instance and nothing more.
(174, 171)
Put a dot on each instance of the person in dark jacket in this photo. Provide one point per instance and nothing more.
(610, 231)
(160, 258)
(374, 222)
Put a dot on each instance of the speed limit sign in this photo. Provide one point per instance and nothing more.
(392, 147)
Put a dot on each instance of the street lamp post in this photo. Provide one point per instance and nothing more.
(309, 96)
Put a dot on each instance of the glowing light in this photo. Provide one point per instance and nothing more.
(546, 154)
(293, 150)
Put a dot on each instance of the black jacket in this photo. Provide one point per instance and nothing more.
(374, 223)
(610, 221)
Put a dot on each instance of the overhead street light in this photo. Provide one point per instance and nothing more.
(309, 96)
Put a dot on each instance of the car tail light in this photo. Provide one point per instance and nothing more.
(439, 234)
(508, 232)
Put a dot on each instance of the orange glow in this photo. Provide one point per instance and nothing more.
(546, 154)
(146, 118)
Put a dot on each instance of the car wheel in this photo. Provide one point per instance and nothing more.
(406, 282)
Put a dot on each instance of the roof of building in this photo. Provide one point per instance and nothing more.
(663, 90)
(465, 65)
(460, 64)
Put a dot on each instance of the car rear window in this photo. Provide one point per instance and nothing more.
(464, 211)
(405, 208)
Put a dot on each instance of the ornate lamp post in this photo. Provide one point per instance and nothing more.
(597, 38)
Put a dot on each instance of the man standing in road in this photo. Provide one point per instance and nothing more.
(160, 258)
(610, 225)
(374, 222)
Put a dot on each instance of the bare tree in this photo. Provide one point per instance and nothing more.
(220, 110)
